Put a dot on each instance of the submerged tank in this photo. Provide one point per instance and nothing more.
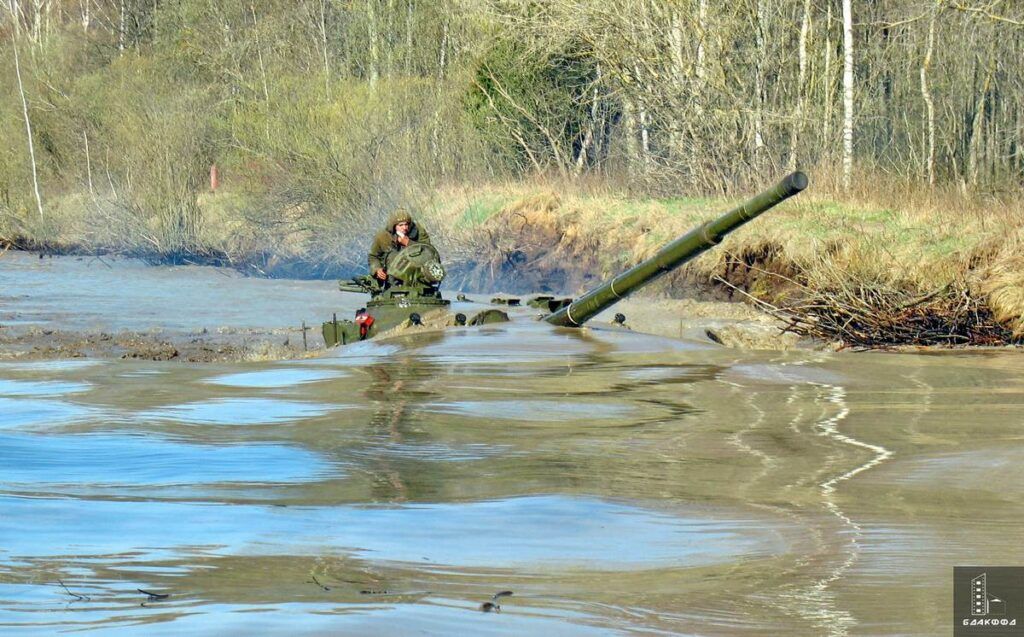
(412, 293)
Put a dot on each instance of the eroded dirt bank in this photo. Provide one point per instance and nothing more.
(225, 345)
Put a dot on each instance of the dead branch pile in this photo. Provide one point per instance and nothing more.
(863, 316)
(875, 314)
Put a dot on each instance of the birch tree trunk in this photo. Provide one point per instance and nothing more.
(37, 20)
(702, 34)
(630, 127)
(259, 52)
(645, 138)
(389, 45)
(15, 8)
(28, 130)
(443, 56)
(676, 47)
(409, 10)
(847, 94)
(826, 131)
(588, 136)
(88, 163)
(701, 72)
(371, 17)
(759, 88)
(977, 131)
(644, 131)
(801, 99)
(678, 74)
(927, 96)
(323, 44)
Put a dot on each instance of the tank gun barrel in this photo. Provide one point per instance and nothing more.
(675, 254)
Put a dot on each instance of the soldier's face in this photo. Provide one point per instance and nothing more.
(402, 227)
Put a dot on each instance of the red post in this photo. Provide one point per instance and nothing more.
(214, 178)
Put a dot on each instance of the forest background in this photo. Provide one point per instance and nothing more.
(277, 135)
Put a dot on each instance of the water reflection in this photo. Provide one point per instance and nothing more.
(531, 410)
(40, 388)
(504, 534)
(274, 378)
(83, 463)
(20, 413)
(239, 411)
(395, 446)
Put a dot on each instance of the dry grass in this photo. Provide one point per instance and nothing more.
(1002, 283)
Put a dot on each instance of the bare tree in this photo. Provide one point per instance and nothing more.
(801, 101)
(927, 95)
(847, 93)
(28, 129)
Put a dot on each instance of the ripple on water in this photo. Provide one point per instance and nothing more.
(432, 452)
(50, 366)
(142, 373)
(787, 373)
(989, 470)
(120, 613)
(361, 354)
(40, 387)
(629, 342)
(240, 411)
(273, 378)
(18, 413)
(530, 410)
(672, 373)
(46, 463)
(505, 344)
(540, 531)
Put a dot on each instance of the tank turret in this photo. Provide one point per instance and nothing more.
(412, 289)
(675, 254)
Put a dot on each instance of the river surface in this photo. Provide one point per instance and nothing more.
(614, 482)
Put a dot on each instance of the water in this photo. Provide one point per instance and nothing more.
(617, 483)
(117, 294)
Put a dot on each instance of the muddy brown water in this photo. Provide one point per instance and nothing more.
(615, 482)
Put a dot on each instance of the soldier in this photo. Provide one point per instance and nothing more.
(399, 232)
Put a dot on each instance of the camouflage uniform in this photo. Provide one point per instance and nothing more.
(386, 241)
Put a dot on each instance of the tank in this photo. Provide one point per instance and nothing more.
(412, 295)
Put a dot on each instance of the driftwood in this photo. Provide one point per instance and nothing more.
(875, 314)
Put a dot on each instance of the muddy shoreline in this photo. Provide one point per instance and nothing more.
(222, 345)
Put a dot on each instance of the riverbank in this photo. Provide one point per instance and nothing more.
(155, 345)
(939, 268)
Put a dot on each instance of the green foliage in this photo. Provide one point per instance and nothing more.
(533, 106)
(481, 209)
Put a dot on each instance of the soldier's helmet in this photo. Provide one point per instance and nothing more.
(398, 216)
